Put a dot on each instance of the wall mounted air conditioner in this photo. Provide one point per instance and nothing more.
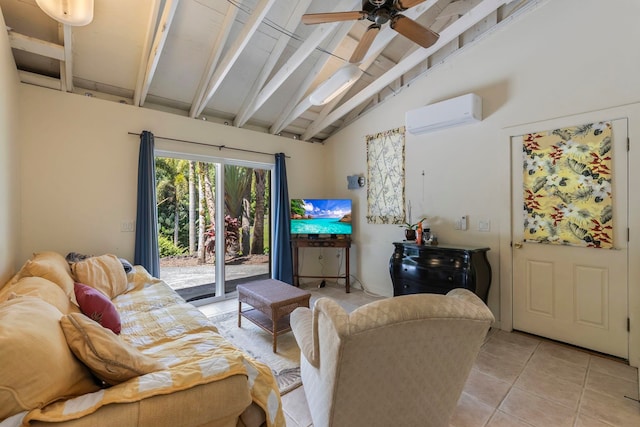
(452, 112)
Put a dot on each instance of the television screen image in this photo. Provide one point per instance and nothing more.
(321, 216)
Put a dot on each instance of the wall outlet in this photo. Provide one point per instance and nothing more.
(128, 226)
(461, 223)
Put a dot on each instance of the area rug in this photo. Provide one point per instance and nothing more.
(285, 364)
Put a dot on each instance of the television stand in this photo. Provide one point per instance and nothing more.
(297, 243)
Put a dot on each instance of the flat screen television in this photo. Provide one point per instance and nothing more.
(319, 217)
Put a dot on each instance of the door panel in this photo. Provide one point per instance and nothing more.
(540, 288)
(592, 289)
(573, 294)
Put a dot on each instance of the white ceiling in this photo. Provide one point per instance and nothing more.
(247, 63)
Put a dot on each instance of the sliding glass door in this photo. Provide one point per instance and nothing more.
(213, 223)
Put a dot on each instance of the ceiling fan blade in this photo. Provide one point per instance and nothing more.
(321, 18)
(414, 31)
(365, 43)
(406, 4)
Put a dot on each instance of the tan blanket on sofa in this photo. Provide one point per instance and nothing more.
(160, 324)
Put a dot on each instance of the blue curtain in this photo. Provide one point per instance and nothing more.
(282, 257)
(146, 250)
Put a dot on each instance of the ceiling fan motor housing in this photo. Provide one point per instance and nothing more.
(379, 11)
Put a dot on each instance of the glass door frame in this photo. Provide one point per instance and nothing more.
(219, 163)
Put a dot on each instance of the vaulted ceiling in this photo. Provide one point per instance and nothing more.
(245, 63)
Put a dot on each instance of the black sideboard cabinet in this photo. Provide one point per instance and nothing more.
(438, 269)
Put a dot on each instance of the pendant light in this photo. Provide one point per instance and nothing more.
(70, 12)
(336, 84)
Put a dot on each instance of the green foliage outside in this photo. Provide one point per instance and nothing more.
(167, 248)
(172, 193)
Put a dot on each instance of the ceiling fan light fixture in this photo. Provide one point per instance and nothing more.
(70, 12)
(336, 84)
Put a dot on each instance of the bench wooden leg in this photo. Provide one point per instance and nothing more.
(239, 316)
(275, 335)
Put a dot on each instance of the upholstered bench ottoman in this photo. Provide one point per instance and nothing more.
(272, 302)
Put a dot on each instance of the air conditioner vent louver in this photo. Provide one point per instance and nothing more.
(452, 112)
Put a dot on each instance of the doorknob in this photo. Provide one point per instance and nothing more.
(517, 245)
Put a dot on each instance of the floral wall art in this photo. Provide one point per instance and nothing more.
(567, 186)
(385, 168)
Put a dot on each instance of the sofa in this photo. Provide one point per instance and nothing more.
(399, 361)
(87, 343)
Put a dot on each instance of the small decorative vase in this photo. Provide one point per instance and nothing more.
(410, 235)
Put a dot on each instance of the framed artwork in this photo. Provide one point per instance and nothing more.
(385, 170)
(567, 186)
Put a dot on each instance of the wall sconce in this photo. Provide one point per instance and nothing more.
(354, 182)
(69, 12)
(336, 84)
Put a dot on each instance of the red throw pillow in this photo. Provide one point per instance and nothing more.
(95, 305)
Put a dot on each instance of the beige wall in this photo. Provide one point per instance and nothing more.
(564, 58)
(9, 160)
(79, 166)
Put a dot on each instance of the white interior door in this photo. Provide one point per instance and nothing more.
(574, 294)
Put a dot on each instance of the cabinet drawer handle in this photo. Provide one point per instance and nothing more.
(450, 259)
(450, 278)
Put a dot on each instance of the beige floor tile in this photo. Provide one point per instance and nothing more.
(585, 421)
(556, 389)
(552, 366)
(500, 368)
(615, 411)
(512, 351)
(500, 419)
(486, 388)
(295, 407)
(517, 338)
(289, 422)
(470, 412)
(536, 411)
(614, 367)
(613, 386)
(564, 352)
(220, 307)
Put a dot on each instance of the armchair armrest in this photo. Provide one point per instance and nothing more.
(482, 310)
(302, 325)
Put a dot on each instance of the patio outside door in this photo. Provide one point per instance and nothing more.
(573, 294)
(214, 224)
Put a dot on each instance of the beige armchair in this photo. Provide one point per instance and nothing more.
(399, 361)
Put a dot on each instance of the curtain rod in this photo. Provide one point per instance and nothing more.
(219, 147)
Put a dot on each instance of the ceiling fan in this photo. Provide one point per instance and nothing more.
(379, 12)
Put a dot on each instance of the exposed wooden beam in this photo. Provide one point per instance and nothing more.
(66, 67)
(39, 80)
(144, 55)
(465, 22)
(160, 38)
(293, 111)
(33, 45)
(310, 44)
(281, 45)
(249, 29)
(214, 57)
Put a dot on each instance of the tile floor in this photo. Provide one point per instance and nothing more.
(518, 380)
